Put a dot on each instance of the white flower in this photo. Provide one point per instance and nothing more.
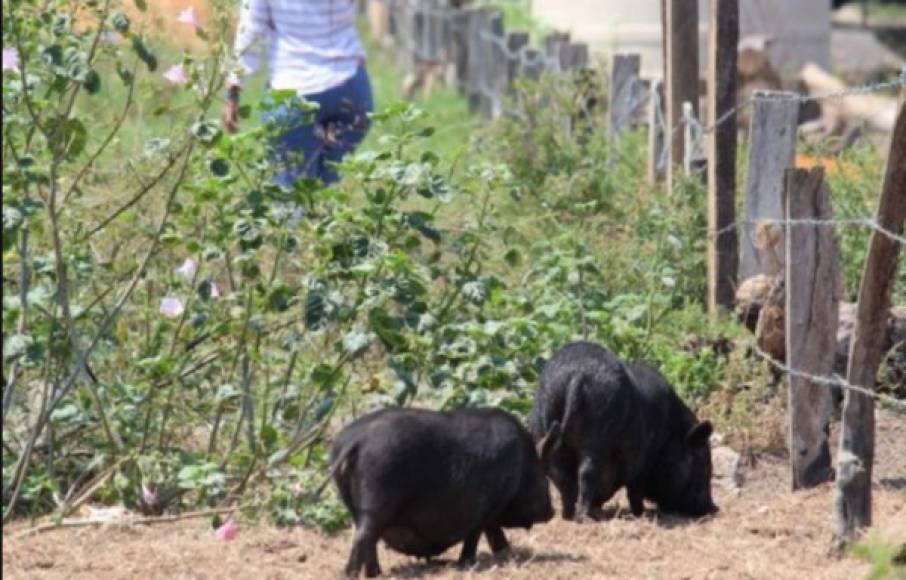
(171, 307)
(188, 269)
(215, 291)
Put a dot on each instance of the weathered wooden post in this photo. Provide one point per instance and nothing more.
(378, 21)
(681, 38)
(533, 65)
(625, 92)
(515, 42)
(813, 289)
(553, 44)
(494, 66)
(695, 159)
(460, 38)
(857, 437)
(476, 24)
(405, 41)
(574, 56)
(772, 150)
(723, 245)
(656, 133)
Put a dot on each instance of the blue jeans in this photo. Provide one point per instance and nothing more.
(340, 124)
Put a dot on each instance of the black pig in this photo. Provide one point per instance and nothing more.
(621, 425)
(424, 481)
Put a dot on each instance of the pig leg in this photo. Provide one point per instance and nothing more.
(497, 540)
(469, 549)
(563, 473)
(590, 474)
(364, 550)
(569, 493)
(636, 498)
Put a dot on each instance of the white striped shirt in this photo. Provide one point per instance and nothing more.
(312, 45)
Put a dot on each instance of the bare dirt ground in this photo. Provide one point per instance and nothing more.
(763, 531)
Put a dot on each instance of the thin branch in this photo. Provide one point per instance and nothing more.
(130, 521)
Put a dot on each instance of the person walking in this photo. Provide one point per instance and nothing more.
(313, 48)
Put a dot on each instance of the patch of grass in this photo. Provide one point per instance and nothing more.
(517, 15)
(887, 558)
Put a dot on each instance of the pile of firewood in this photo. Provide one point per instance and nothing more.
(760, 306)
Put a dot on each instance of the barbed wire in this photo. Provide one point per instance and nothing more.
(830, 382)
(528, 58)
(868, 222)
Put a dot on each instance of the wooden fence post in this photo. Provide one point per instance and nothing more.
(474, 69)
(493, 66)
(553, 45)
(857, 436)
(625, 92)
(460, 38)
(695, 159)
(681, 37)
(378, 21)
(407, 52)
(532, 67)
(813, 289)
(772, 150)
(656, 132)
(723, 247)
(574, 56)
(515, 42)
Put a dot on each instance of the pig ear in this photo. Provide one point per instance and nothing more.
(699, 434)
(547, 443)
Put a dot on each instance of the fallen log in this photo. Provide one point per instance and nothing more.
(760, 307)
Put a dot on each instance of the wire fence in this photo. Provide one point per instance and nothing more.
(488, 61)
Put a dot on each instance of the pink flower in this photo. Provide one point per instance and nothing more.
(176, 75)
(215, 291)
(149, 497)
(187, 16)
(227, 531)
(110, 37)
(188, 269)
(171, 307)
(10, 59)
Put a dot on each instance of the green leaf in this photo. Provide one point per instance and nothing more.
(144, 53)
(315, 309)
(513, 258)
(421, 221)
(16, 346)
(324, 376)
(120, 22)
(92, 82)
(269, 437)
(387, 328)
(208, 132)
(141, 5)
(124, 74)
(75, 136)
(281, 298)
(219, 166)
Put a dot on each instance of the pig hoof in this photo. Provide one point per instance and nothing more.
(503, 553)
(465, 563)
